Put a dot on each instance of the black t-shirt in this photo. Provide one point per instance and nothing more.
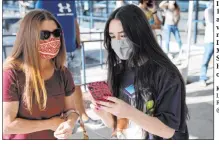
(168, 100)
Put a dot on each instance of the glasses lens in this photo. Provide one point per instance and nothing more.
(57, 33)
(44, 35)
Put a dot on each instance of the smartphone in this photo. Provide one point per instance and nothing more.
(99, 90)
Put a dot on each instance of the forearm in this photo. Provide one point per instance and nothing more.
(23, 126)
(154, 26)
(176, 20)
(77, 32)
(157, 22)
(72, 118)
(163, 4)
(108, 120)
(151, 124)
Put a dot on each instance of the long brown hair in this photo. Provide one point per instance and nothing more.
(25, 57)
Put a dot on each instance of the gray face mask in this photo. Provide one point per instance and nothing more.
(121, 48)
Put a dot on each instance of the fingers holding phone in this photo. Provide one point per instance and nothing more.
(99, 92)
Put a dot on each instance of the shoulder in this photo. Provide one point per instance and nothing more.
(170, 77)
(13, 76)
(10, 85)
(65, 72)
(165, 77)
(10, 74)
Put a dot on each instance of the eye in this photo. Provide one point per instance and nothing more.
(123, 36)
(112, 37)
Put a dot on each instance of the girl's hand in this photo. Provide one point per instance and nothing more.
(116, 107)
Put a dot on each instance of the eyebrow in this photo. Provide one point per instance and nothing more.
(118, 32)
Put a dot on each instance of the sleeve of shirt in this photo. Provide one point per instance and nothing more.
(168, 109)
(10, 90)
(68, 82)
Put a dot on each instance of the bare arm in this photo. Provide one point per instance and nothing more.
(163, 5)
(150, 124)
(14, 125)
(69, 104)
(157, 22)
(107, 119)
(176, 16)
(166, 120)
(78, 39)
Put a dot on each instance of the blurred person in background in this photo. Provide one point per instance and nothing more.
(148, 90)
(150, 10)
(119, 4)
(209, 45)
(24, 6)
(172, 17)
(37, 88)
(65, 12)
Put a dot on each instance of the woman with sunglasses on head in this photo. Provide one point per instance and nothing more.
(37, 88)
(148, 89)
(172, 17)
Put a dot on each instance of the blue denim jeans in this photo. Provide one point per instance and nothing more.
(209, 50)
(73, 63)
(174, 29)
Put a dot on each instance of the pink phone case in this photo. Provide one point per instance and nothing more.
(99, 90)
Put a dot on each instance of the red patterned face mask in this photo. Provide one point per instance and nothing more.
(49, 48)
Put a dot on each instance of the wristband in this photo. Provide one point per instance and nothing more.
(66, 114)
(154, 12)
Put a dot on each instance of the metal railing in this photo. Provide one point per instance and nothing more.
(83, 59)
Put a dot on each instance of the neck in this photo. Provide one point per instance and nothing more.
(45, 64)
(144, 6)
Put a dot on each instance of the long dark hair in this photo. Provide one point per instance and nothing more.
(176, 6)
(146, 58)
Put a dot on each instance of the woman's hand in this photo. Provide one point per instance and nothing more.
(116, 107)
(153, 8)
(64, 130)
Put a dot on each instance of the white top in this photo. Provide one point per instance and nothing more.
(209, 30)
(133, 131)
(171, 17)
